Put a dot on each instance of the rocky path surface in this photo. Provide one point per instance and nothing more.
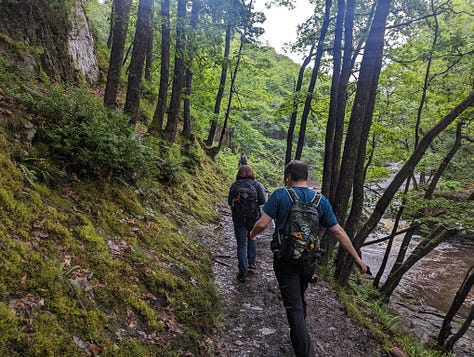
(254, 321)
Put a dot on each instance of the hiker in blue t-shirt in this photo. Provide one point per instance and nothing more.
(245, 197)
(293, 278)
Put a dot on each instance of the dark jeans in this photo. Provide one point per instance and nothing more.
(246, 248)
(293, 280)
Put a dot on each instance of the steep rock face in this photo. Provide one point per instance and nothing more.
(81, 44)
(45, 30)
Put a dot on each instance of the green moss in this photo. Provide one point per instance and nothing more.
(11, 334)
(91, 238)
(95, 251)
(146, 312)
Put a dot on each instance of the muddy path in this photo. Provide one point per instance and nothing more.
(254, 321)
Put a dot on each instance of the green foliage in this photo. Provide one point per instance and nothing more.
(363, 304)
(97, 262)
(79, 132)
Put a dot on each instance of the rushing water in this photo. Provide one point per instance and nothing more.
(427, 290)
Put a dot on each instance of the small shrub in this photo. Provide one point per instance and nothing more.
(91, 140)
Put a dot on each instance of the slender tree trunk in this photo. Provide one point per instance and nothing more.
(149, 54)
(379, 274)
(231, 92)
(187, 125)
(342, 94)
(178, 77)
(444, 164)
(359, 172)
(222, 82)
(331, 123)
(359, 124)
(444, 339)
(314, 76)
(112, 25)
(370, 66)
(401, 176)
(427, 196)
(448, 346)
(359, 168)
(156, 126)
(120, 15)
(332, 160)
(296, 100)
(424, 247)
(140, 44)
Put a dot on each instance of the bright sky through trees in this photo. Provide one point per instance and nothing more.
(281, 23)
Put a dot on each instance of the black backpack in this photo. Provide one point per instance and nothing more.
(299, 239)
(245, 205)
(243, 160)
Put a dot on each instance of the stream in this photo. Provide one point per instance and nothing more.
(426, 292)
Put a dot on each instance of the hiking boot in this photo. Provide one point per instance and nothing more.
(252, 266)
(241, 278)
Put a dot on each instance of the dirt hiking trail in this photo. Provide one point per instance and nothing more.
(254, 321)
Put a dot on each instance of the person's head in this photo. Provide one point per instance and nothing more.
(242, 153)
(245, 171)
(298, 170)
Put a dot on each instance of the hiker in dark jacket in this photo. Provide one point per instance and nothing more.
(293, 278)
(245, 196)
(243, 159)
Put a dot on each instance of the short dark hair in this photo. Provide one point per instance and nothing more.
(245, 171)
(298, 170)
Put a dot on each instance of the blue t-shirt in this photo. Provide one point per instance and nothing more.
(279, 204)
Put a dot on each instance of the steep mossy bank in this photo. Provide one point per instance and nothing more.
(102, 267)
(101, 264)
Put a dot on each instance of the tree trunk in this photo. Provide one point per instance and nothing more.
(331, 123)
(112, 24)
(120, 15)
(332, 159)
(379, 274)
(231, 92)
(149, 54)
(448, 346)
(359, 124)
(370, 66)
(156, 126)
(314, 76)
(402, 175)
(187, 125)
(443, 338)
(140, 44)
(427, 196)
(342, 94)
(220, 91)
(444, 164)
(359, 171)
(291, 127)
(178, 77)
(422, 249)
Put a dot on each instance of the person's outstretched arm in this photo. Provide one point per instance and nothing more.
(341, 235)
(260, 225)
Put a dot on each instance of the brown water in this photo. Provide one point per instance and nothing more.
(427, 290)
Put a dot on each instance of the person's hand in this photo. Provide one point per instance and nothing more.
(363, 267)
(252, 235)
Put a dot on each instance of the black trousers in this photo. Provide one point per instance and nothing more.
(293, 280)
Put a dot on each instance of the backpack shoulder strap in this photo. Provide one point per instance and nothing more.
(293, 195)
(316, 199)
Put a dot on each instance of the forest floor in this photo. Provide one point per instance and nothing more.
(254, 320)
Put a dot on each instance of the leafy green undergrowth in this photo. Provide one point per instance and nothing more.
(105, 267)
(364, 305)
